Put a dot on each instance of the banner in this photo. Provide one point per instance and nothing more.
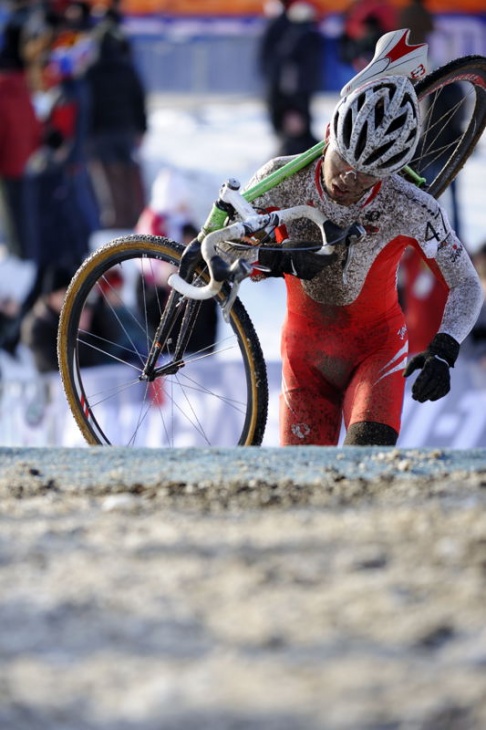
(256, 7)
(35, 413)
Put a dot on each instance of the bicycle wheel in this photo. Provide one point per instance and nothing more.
(453, 104)
(216, 395)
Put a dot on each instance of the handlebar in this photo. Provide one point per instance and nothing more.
(220, 271)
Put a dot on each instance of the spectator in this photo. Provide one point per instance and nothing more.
(20, 132)
(77, 16)
(39, 326)
(118, 124)
(365, 21)
(17, 277)
(290, 60)
(169, 206)
(61, 188)
(418, 19)
(103, 318)
(296, 135)
(169, 214)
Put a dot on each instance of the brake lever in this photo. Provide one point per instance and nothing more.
(335, 234)
(354, 234)
(239, 271)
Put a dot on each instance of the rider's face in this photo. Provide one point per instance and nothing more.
(341, 182)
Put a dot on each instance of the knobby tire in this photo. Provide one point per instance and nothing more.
(218, 398)
(453, 104)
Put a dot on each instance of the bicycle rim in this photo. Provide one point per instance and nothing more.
(453, 105)
(219, 397)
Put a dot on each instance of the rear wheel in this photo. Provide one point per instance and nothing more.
(453, 104)
(216, 394)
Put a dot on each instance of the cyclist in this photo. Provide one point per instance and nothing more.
(344, 341)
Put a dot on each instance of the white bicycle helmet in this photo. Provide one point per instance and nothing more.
(376, 127)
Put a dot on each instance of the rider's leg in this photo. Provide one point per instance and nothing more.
(310, 407)
(360, 379)
(374, 400)
(307, 417)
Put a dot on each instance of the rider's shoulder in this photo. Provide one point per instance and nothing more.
(398, 186)
(277, 162)
(267, 168)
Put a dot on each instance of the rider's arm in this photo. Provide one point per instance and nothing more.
(464, 302)
(465, 297)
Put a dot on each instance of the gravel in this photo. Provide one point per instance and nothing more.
(286, 589)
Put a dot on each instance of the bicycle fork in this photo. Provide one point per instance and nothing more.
(171, 314)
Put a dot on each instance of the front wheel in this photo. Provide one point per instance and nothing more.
(453, 106)
(214, 394)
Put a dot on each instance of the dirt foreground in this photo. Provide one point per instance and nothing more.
(242, 589)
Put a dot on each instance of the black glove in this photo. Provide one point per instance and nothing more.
(54, 139)
(434, 380)
(291, 257)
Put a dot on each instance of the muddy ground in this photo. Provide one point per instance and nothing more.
(259, 589)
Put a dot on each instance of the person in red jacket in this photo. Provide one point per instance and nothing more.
(20, 134)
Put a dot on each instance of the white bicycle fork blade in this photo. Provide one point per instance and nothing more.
(394, 56)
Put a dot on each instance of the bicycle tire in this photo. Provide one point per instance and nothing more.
(203, 404)
(437, 160)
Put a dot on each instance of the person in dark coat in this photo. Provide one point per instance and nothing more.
(39, 326)
(290, 60)
(418, 19)
(118, 124)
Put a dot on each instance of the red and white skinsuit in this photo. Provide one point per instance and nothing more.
(344, 340)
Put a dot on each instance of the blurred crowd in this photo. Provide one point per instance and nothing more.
(72, 119)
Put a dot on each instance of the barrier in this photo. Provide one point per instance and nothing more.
(35, 413)
(219, 55)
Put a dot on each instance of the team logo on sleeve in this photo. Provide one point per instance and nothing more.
(370, 220)
(455, 250)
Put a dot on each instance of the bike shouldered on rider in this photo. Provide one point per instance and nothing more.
(344, 339)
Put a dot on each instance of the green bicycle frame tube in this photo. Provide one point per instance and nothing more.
(217, 217)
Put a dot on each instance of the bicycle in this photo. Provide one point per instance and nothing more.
(156, 392)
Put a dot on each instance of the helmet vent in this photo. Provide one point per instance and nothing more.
(379, 114)
(360, 102)
(408, 102)
(411, 138)
(379, 152)
(399, 159)
(391, 88)
(361, 141)
(347, 129)
(397, 123)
